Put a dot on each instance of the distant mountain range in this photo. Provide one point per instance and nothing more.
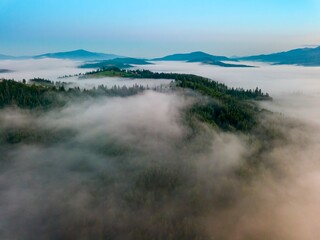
(300, 56)
(81, 55)
(5, 71)
(201, 57)
(5, 57)
(192, 57)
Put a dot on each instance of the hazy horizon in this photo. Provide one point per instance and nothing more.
(176, 52)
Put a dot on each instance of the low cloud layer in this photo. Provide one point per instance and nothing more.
(85, 170)
(47, 68)
(282, 202)
(134, 168)
(54, 69)
(271, 78)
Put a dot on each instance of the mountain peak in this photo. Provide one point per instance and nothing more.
(79, 54)
(193, 56)
(301, 56)
(198, 52)
(81, 51)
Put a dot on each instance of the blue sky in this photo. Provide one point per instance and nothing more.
(150, 28)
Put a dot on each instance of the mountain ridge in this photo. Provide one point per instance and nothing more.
(6, 57)
(191, 56)
(299, 56)
(117, 62)
(203, 58)
(79, 54)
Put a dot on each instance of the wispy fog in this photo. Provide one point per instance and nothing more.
(295, 89)
(52, 69)
(48, 68)
(88, 170)
(283, 202)
(275, 79)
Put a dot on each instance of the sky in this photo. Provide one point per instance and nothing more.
(154, 28)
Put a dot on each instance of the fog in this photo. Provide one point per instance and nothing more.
(54, 69)
(65, 183)
(283, 202)
(84, 173)
(48, 68)
(275, 79)
(295, 90)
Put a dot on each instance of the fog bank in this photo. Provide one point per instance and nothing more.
(53, 69)
(48, 68)
(135, 168)
(274, 79)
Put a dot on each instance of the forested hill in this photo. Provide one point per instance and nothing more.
(182, 80)
(44, 94)
(93, 160)
(226, 108)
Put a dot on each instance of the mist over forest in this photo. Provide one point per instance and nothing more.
(181, 158)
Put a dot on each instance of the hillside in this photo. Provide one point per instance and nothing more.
(191, 57)
(78, 55)
(126, 152)
(201, 57)
(210, 61)
(117, 62)
(233, 111)
(300, 56)
(5, 71)
(6, 57)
